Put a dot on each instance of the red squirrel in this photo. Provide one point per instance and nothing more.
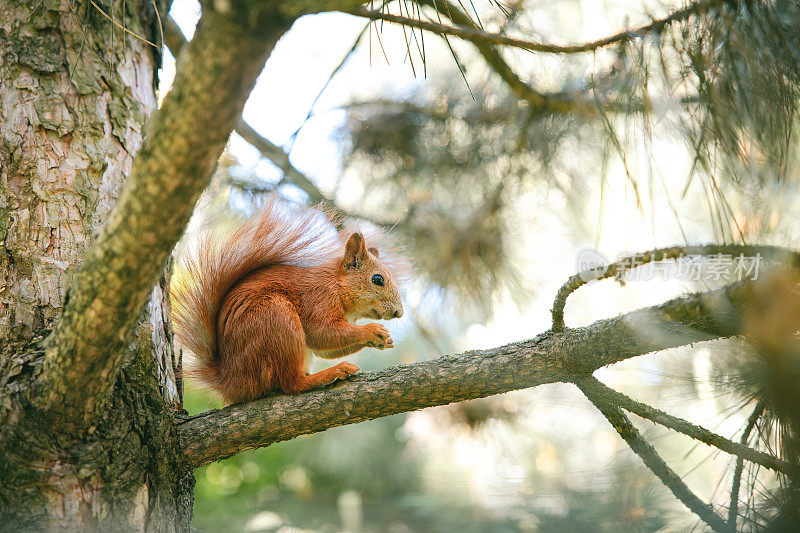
(252, 306)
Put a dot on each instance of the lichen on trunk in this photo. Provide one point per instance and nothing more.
(75, 95)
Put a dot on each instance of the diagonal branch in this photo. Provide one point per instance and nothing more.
(548, 358)
(182, 145)
(741, 450)
(269, 150)
(280, 159)
(651, 459)
(479, 36)
(311, 108)
(733, 508)
(560, 102)
(277, 155)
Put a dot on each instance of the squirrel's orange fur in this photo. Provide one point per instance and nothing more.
(249, 307)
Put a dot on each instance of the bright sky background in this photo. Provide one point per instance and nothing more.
(300, 65)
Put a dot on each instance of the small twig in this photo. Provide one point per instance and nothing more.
(380, 42)
(495, 60)
(280, 159)
(32, 11)
(733, 508)
(123, 23)
(461, 69)
(775, 253)
(651, 459)
(741, 450)
(325, 85)
(111, 51)
(476, 34)
(83, 42)
(416, 6)
(80, 51)
(408, 47)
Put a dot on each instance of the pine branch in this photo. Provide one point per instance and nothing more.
(651, 459)
(741, 450)
(550, 357)
(479, 36)
(539, 102)
(280, 159)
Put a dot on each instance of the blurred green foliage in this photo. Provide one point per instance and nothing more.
(301, 480)
(367, 475)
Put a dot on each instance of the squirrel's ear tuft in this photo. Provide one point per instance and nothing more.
(374, 251)
(355, 252)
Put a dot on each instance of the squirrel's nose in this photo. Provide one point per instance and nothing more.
(398, 313)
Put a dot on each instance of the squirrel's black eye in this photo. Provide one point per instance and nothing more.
(377, 279)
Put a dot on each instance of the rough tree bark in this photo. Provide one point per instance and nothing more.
(89, 433)
(71, 123)
(87, 429)
(74, 103)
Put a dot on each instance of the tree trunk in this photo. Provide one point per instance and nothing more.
(75, 93)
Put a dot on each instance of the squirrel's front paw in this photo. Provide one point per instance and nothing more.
(380, 337)
(342, 370)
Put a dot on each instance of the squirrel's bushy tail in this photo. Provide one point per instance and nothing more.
(276, 235)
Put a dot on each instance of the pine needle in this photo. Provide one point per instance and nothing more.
(126, 30)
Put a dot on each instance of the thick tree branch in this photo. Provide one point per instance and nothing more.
(173, 37)
(182, 145)
(741, 450)
(575, 282)
(548, 358)
(651, 459)
(479, 36)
